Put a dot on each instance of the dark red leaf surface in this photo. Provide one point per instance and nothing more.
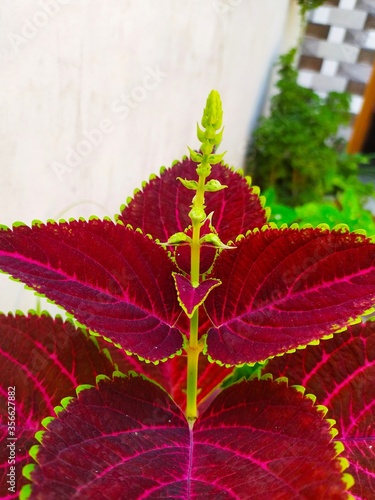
(162, 207)
(127, 439)
(282, 288)
(171, 374)
(112, 279)
(44, 360)
(341, 373)
(191, 297)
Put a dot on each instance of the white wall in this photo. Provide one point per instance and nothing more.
(138, 69)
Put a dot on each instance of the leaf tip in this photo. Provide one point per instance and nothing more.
(27, 470)
(83, 387)
(333, 431)
(281, 380)
(339, 447)
(322, 409)
(39, 436)
(25, 492)
(66, 401)
(33, 452)
(312, 398)
(299, 388)
(18, 224)
(101, 378)
(46, 421)
(341, 228)
(37, 223)
(349, 482)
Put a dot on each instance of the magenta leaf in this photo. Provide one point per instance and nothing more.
(35, 353)
(341, 373)
(114, 280)
(162, 208)
(286, 288)
(127, 438)
(189, 297)
(121, 440)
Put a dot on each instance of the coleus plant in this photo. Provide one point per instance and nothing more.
(190, 365)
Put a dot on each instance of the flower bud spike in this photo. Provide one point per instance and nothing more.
(213, 112)
(178, 239)
(193, 185)
(214, 185)
(214, 240)
(218, 137)
(195, 156)
(200, 134)
(213, 159)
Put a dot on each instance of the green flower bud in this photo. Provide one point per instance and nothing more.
(214, 240)
(206, 148)
(178, 238)
(216, 158)
(218, 137)
(197, 157)
(204, 169)
(200, 134)
(214, 185)
(210, 133)
(189, 184)
(213, 112)
(197, 215)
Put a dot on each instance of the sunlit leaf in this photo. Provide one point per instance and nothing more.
(127, 438)
(282, 288)
(42, 360)
(162, 207)
(114, 280)
(340, 372)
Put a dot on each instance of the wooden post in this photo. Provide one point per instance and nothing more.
(363, 119)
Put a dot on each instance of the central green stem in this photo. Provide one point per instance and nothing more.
(210, 138)
(194, 347)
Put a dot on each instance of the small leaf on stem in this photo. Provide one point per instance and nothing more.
(190, 297)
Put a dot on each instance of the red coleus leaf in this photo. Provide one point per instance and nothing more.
(286, 288)
(114, 280)
(189, 297)
(126, 438)
(162, 208)
(172, 374)
(341, 373)
(35, 353)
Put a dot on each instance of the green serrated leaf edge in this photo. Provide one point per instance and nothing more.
(339, 447)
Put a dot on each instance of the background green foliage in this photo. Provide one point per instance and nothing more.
(300, 163)
(296, 150)
(309, 4)
(346, 208)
